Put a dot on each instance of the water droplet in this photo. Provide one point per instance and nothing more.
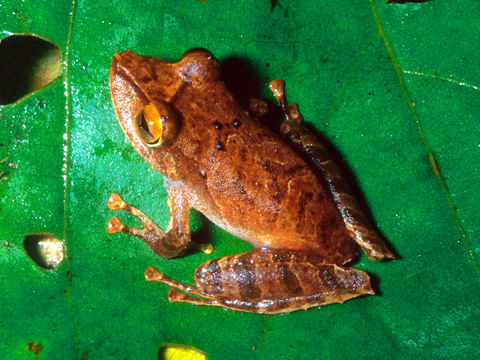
(45, 249)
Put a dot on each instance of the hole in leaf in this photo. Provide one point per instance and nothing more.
(180, 352)
(27, 63)
(45, 249)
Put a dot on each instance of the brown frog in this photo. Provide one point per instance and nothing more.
(217, 158)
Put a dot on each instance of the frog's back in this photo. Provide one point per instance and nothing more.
(249, 181)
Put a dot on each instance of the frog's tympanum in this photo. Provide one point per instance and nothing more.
(280, 192)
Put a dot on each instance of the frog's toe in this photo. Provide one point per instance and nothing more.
(115, 225)
(115, 202)
(152, 274)
(205, 248)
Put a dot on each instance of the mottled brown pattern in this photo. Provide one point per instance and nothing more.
(272, 280)
(355, 221)
(274, 199)
(248, 180)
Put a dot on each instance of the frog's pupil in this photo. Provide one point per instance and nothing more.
(144, 124)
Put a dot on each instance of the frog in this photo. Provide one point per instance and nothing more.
(278, 189)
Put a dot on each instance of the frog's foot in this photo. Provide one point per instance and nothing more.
(292, 116)
(168, 244)
(355, 220)
(152, 274)
(268, 282)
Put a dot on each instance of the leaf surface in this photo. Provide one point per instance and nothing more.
(394, 87)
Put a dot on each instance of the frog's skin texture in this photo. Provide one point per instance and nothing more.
(217, 158)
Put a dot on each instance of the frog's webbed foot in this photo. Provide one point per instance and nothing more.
(355, 220)
(168, 243)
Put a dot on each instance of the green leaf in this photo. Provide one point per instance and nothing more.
(395, 87)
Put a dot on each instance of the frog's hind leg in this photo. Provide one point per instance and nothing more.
(355, 220)
(169, 243)
(268, 281)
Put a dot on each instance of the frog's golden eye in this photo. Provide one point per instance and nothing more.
(156, 125)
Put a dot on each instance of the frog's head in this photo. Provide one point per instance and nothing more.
(143, 88)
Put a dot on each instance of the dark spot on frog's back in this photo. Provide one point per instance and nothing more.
(301, 214)
(153, 71)
(243, 154)
(266, 165)
(145, 78)
(202, 173)
(278, 169)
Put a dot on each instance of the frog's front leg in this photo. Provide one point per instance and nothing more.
(268, 281)
(294, 129)
(169, 243)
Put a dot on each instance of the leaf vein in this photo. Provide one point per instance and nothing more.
(441, 180)
(442, 78)
(264, 336)
(66, 147)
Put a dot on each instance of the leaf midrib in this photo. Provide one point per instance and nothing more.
(66, 147)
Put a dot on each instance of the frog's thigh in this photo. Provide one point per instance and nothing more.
(353, 217)
(274, 281)
(295, 131)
